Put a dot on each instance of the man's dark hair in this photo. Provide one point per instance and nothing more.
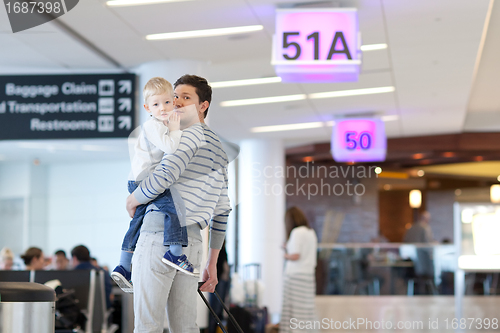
(81, 253)
(203, 89)
(60, 253)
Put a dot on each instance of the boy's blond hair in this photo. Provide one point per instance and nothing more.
(157, 86)
(6, 253)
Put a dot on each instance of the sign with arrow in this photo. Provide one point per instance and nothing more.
(67, 106)
(125, 104)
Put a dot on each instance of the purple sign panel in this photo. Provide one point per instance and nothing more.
(317, 45)
(359, 140)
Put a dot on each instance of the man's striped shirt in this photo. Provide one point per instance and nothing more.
(198, 170)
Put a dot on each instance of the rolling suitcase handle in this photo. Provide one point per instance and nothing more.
(217, 319)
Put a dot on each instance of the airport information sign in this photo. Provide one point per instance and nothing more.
(359, 140)
(67, 106)
(317, 45)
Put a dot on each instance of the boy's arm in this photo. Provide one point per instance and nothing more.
(171, 166)
(158, 134)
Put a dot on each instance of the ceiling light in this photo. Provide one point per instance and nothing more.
(123, 3)
(390, 118)
(353, 92)
(415, 198)
(373, 47)
(205, 33)
(264, 100)
(288, 98)
(289, 127)
(495, 193)
(248, 82)
(417, 156)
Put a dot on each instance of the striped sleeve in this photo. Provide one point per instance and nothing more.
(218, 224)
(171, 166)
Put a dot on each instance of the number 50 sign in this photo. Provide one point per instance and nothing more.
(317, 45)
(359, 140)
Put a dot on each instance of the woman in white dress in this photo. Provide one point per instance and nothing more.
(298, 312)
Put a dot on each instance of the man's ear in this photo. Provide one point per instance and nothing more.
(204, 106)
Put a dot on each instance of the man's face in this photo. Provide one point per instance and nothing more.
(187, 104)
(61, 262)
(160, 106)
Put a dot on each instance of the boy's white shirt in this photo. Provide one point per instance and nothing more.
(147, 145)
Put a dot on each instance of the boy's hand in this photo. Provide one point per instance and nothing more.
(131, 204)
(174, 122)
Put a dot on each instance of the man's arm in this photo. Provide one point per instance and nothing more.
(169, 170)
(218, 224)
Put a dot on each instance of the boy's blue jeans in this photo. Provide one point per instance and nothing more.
(173, 232)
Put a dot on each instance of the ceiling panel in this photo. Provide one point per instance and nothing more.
(430, 60)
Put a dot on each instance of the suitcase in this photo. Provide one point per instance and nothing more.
(217, 319)
(258, 316)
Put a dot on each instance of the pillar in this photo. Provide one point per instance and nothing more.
(261, 214)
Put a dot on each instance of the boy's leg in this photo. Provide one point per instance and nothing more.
(175, 236)
(121, 274)
(175, 232)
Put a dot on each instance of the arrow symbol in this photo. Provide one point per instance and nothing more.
(125, 104)
(124, 122)
(125, 86)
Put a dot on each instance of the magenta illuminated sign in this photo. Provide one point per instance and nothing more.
(359, 140)
(317, 45)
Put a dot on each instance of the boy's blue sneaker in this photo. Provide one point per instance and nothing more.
(180, 263)
(123, 278)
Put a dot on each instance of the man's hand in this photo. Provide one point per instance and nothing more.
(131, 205)
(210, 278)
(210, 271)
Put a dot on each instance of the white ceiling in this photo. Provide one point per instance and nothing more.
(445, 81)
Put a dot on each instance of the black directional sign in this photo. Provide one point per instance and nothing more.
(67, 106)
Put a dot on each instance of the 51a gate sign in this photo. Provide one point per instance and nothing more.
(317, 45)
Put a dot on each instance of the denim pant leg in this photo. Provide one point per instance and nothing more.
(174, 233)
(132, 235)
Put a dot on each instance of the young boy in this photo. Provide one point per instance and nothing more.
(159, 135)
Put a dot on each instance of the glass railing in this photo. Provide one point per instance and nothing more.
(394, 269)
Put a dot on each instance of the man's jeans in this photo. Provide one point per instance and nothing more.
(174, 233)
(157, 286)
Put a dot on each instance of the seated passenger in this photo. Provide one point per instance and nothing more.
(34, 259)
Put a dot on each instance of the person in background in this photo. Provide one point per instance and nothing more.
(80, 259)
(34, 259)
(299, 287)
(61, 262)
(420, 232)
(6, 259)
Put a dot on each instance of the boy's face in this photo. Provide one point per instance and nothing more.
(160, 106)
(187, 104)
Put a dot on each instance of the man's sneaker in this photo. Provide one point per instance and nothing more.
(123, 278)
(180, 263)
